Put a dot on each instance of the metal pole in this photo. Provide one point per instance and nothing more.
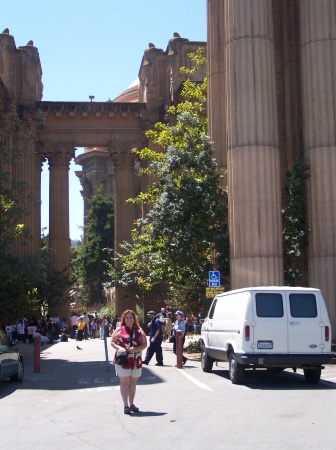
(179, 349)
(37, 355)
(106, 350)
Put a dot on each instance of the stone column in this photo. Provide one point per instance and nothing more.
(59, 238)
(86, 194)
(253, 148)
(28, 171)
(216, 57)
(124, 214)
(318, 50)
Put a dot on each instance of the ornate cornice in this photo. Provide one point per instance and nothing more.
(90, 106)
(52, 148)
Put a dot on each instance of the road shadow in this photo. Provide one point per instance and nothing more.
(64, 375)
(148, 414)
(262, 379)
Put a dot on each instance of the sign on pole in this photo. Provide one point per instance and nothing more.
(211, 292)
(214, 278)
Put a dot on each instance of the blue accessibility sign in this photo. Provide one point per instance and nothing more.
(214, 278)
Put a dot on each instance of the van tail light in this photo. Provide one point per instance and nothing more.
(326, 333)
(247, 332)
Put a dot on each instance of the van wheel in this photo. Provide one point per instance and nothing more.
(312, 375)
(236, 370)
(206, 360)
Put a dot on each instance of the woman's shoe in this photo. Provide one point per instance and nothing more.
(127, 410)
(134, 409)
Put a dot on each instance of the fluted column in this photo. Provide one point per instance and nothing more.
(124, 214)
(86, 194)
(216, 57)
(318, 50)
(59, 238)
(28, 171)
(253, 148)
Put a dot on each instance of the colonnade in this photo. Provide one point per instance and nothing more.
(272, 84)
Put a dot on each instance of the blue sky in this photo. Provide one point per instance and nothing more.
(94, 47)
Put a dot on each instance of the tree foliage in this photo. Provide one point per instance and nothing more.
(89, 261)
(188, 205)
(295, 230)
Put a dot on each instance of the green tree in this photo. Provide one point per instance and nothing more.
(295, 230)
(94, 256)
(189, 207)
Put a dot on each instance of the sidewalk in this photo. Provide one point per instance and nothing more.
(84, 354)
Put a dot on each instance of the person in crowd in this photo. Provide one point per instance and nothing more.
(50, 329)
(115, 322)
(31, 330)
(9, 332)
(190, 327)
(14, 333)
(181, 326)
(21, 331)
(102, 324)
(94, 328)
(87, 326)
(129, 338)
(163, 316)
(80, 326)
(73, 320)
(37, 334)
(155, 340)
(169, 326)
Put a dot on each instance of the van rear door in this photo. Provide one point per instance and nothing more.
(270, 322)
(305, 328)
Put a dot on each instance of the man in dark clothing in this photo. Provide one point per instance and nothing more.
(155, 340)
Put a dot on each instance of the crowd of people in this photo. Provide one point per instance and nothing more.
(87, 326)
(53, 329)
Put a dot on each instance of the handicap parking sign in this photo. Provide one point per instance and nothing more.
(214, 278)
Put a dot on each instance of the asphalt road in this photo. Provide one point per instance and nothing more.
(74, 402)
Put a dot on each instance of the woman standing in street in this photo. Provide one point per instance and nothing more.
(129, 338)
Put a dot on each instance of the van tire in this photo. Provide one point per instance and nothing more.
(206, 360)
(236, 370)
(312, 375)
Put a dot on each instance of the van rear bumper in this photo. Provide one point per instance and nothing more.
(280, 360)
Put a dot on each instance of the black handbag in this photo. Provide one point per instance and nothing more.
(121, 359)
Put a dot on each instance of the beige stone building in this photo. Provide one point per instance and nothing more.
(271, 99)
(272, 84)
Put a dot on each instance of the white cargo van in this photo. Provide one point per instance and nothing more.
(267, 327)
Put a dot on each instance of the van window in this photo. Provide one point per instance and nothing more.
(212, 309)
(302, 305)
(269, 305)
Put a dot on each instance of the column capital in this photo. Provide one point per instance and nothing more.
(122, 156)
(50, 148)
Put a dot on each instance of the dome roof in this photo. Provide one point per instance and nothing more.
(131, 94)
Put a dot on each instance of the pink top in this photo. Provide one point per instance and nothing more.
(134, 359)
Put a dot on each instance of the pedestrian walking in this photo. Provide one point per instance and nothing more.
(155, 340)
